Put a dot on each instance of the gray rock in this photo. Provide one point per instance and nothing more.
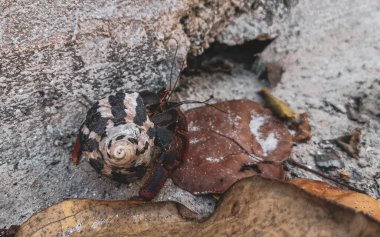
(328, 160)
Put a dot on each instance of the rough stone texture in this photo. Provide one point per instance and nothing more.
(262, 23)
(330, 54)
(52, 53)
(233, 22)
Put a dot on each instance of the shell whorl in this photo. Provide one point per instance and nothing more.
(117, 137)
(123, 144)
(121, 153)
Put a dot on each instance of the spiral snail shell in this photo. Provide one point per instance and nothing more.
(117, 137)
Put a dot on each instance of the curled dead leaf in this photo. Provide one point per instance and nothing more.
(252, 207)
(302, 128)
(225, 147)
(350, 143)
(357, 201)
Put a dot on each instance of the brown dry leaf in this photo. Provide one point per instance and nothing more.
(350, 143)
(226, 147)
(302, 128)
(252, 207)
(278, 107)
(357, 201)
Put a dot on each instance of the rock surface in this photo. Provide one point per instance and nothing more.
(329, 53)
(55, 56)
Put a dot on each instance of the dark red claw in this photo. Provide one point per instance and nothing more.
(75, 155)
(154, 183)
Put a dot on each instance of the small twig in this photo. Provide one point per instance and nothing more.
(304, 167)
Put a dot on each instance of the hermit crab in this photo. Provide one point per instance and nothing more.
(131, 135)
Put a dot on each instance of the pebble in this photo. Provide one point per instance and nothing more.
(328, 160)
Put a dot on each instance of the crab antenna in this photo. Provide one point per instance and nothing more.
(176, 81)
(177, 104)
(171, 69)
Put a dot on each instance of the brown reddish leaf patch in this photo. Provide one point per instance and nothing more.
(226, 147)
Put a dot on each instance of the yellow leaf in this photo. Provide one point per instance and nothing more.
(278, 107)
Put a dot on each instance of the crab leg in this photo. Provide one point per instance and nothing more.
(169, 158)
(154, 183)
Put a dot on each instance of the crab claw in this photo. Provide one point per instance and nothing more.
(154, 183)
(75, 155)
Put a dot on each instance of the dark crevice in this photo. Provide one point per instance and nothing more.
(222, 58)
